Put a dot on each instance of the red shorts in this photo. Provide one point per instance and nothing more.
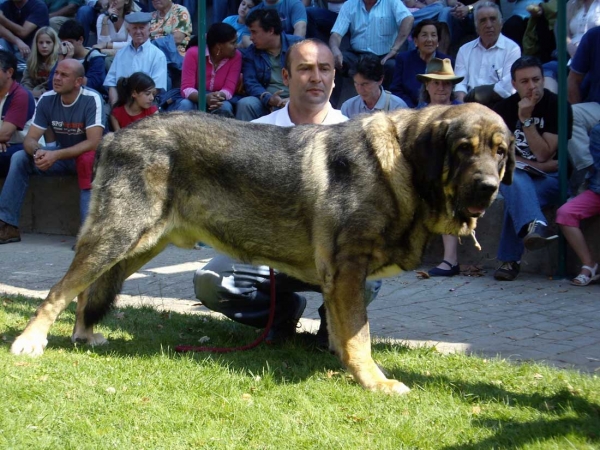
(85, 166)
(586, 204)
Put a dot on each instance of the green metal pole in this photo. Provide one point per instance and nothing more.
(201, 58)
(561, 23)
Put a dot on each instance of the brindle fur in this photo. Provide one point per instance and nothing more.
(329, 205)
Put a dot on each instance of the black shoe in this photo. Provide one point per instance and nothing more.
(508, 271)
(538, 236)
(285, 329)
(437, 272)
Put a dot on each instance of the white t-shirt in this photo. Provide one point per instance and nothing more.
(281, 117)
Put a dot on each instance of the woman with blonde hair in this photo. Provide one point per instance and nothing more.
(41, 61)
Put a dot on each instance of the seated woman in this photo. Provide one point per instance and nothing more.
(408, 64)
(40, 62)
(586, 204)
(438, 89)
(223, 67)
(112, 30)
(239, 23)
(171, 30)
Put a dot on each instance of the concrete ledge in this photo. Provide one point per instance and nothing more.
(488, 231)
(51, 206)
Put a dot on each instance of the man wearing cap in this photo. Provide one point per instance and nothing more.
(368, 77)
(138, 56)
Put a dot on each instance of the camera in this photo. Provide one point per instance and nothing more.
(112, 17)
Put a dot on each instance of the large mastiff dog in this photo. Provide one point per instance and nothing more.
(329, 205)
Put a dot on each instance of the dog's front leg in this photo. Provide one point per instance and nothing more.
(348, 328)
(83, 334)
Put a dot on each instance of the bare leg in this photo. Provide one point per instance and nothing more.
(450, 251)
(576, 240)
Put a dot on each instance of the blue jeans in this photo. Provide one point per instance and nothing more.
(523, 203)
(187, 105)
(87, 17)
(320, 21)
(250, 108)
(6, 156)
(17, 182)
(14, 50)
(457, 28)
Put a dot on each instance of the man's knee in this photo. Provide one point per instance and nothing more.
(206, 288)
(249, 108)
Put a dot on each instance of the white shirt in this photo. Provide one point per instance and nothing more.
(481, 66)
(281, 117)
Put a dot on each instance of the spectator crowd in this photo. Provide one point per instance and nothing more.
(100, 65)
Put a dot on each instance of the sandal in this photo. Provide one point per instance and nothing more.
(437, 272)
(583, 280)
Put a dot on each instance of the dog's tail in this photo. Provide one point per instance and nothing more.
(101, 294)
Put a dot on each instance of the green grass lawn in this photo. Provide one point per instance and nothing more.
(136, 393)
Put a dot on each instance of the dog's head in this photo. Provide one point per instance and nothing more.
(460, 156)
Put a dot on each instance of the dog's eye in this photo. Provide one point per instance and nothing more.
(501, 151)
(464, 148)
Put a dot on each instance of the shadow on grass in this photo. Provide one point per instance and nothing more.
(145, 332)
(570, 413)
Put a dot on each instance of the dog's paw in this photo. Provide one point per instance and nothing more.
(92, 339)
(392, 387)
(29, 345)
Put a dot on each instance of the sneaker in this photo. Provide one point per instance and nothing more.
(508, 271)
(538, 236)
(8, 233)
(286, 329)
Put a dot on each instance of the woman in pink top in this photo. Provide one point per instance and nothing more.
(223, 67)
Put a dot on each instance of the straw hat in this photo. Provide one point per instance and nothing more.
(439, 69)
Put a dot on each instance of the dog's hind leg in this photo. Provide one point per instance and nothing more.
(96, 301)
(349, 328)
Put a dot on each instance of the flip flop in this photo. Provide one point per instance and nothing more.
(583, 280)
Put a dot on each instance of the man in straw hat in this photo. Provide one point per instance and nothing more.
(438, 83)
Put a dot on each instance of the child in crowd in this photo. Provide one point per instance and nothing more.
(239, 23)
(136, 100)
(41, 61)
(586, 204)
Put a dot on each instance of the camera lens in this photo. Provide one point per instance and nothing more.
(113, 18)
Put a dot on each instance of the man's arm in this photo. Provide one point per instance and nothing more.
(44, 159)
(403, 32)
(20, 31)
(66, 11)
(16, 41)
(32, 141)
(543, 146)
(300, 29)
(112, 95)
(335, 40)
(574, 81)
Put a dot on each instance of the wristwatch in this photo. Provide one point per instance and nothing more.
(470, 8)
(528, 122)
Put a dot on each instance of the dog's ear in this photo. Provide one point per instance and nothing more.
(509, 167)
(429, 156)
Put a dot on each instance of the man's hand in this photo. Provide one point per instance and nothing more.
(70, 49)
(338, 59)
(276, 101)
(392, 53)
(4, 146)
(460, 11)
(44, 159)
(23, 48)
(527, 104)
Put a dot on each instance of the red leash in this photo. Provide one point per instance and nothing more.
(193, 348)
